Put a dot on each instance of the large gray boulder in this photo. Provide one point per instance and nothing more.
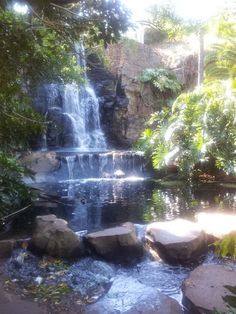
(52, 236)
(127, 295)
(216, 225)
(209, 288)
(118, 244)
(177, 241)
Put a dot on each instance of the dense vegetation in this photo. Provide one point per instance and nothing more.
(200, 127)
(35, 47)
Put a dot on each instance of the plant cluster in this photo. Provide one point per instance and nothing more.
(201, 125)
(164, 84)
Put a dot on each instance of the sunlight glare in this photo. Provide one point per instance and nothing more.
(20, 8)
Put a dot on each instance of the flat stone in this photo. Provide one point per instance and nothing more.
(6, 248)
(52, 236)
(117, 244)
(176, 241)
(127, 295)
(205, 290)
(216, 225)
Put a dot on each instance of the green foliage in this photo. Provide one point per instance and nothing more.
(226, 246)
(13, 193)
(92, 20)
(164, 81)
(165, 24)
(201, 125)
(29, 55)
(221, 59)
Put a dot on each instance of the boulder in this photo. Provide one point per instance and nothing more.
(209, 288)
(177, 242)
(128, 295)
(118, 244)
(216, 225)
(52, 236)
(6, 248)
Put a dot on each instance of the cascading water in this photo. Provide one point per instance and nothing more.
(73, 113)
(82, 108)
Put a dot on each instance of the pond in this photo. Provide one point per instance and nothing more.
(94, 204)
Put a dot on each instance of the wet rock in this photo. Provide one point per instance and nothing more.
(209, 288)
(43, 164)
(119, 244)
(90, 278)
(128, 295)
(216, 225)
(176, 241)
(6, 248)
(53, 237)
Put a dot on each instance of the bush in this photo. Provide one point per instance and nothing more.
(200, 126)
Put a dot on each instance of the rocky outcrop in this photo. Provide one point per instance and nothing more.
(177, 241)
(216, 225)
(118, 244)
(128, 295)
(52, 236)
(125, 103)
(209, 288)
(43, 164)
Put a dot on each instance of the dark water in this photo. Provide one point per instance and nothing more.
(99, 203)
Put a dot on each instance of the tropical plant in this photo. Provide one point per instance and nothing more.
(164, 24)
(163, 80)
(221, 59)
(164, 84)
(226, 247)
(200, 126)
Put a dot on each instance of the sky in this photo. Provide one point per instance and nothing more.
(188, 9)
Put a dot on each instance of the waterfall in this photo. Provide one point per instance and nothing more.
(73, 112)
(82, 107)
(106, 165)
(70, 160)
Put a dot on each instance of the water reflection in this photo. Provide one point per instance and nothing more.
(97, 204)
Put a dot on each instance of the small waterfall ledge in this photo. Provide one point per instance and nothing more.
(69, 166)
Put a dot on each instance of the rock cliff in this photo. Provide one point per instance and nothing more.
(126, 104)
